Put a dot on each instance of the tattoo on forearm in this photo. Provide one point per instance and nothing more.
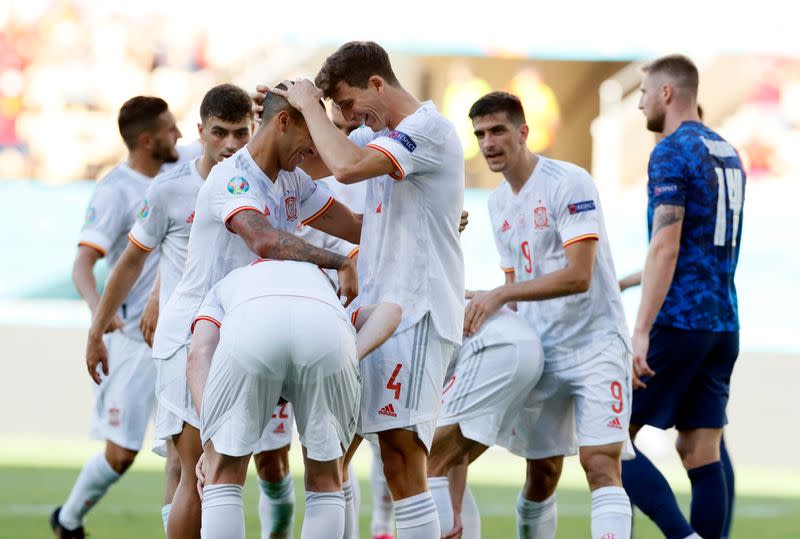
(666, 215)
(290, 247)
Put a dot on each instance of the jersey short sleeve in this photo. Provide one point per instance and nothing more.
(362, 136)
(152, 220)
(231, 195)
(315, 198)
(506, 259)
(412, 146)
(577, 208)
(666, 175)
(104, 222)
(211, 308)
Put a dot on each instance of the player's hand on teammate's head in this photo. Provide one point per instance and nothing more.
(299, 93)
(258, 101)
(96, 354)
(641, 344)
(348, 282)
(464, 221)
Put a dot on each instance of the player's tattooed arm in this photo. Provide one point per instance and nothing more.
(666, 215)
(268, 242)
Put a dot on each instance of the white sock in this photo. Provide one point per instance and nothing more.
(470, 517)
(416, 517)
(223, 512)
(693, 536)
(536, 520)
(276, 507)
(92, 483)
(349, 509)
(382, 513)
(440, 491)
(611, 513)
(165, 515)
(356, 501)
(324, 516)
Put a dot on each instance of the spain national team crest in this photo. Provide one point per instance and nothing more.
(540, 218)
(291, 208)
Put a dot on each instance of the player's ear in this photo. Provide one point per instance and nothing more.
(199, 129)
(282, 121)
(144, 140)
(377, 82)
(524, 130)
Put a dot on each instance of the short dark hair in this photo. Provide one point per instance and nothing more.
(679, 68)
(227, 102)
(354, 63)
(138, 115)
(494, 102)
(274, 103)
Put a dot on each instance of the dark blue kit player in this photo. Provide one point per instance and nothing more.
(686, 337)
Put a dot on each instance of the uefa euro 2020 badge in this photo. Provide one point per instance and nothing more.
(238, 185)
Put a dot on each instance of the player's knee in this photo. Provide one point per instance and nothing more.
(542, 478)
(602, 468)
(696, 451)
(119, 458)
(272, 466)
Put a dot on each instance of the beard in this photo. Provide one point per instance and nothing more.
(165, 153)
(655, 123)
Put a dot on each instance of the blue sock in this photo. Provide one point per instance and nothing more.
(650, 492)
(727, 466)
(709, 500)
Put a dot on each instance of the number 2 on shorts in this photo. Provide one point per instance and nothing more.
(392, 384)
(616, 392)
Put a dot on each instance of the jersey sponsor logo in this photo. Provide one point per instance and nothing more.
(506, 227)
(291, 208)
(144, 211)
(665, 188)
(113, 417)
(91, 216)
(190, 219)
(614, 424)
(403, 139)
(580, 207)
(388, 410)
(540, 220)
(238, 185)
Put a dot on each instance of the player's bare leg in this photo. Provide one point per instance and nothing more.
(449, 449)
(325, 505)
(223, 505)
(172, 476)
(184, 515)
(276, 493)
(611, 507)
(699, 450)
(537, 515)
(404, 464)
(351, 509)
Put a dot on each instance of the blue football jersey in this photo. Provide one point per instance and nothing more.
(696, 168)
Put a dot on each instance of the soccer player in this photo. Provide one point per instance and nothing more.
(164, 224)
(493, 373)
(549, 229)
(686, 338)
(249, 205)
(410, 254)
(125, 384)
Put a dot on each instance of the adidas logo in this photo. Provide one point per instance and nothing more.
(379, 208)
(190, 219)
(614, 424)
(280, 429)
(506, 226)
(388, 410)
(609, 535)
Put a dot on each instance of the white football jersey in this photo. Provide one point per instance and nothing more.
(236, 184)
(171, 199)
(410, 252)
(117, 200)
(266, 277)
(558, 206)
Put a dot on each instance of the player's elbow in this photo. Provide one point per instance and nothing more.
(394, 314)
(265, 245)
(580, 282)
(666, 251)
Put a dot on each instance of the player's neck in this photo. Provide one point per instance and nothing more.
(519, 174)
(204, 166)
(144, 164)
(673, 121)
(264, 152)
(400, 104)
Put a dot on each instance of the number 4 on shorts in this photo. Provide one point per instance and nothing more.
(395, 385)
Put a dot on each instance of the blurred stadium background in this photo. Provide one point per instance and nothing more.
(67, 65)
